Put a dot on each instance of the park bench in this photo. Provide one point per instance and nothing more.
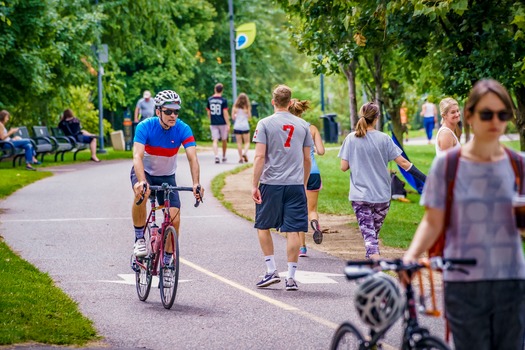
(8, 150)
(41, 145)
(61, 145)
(77, 145)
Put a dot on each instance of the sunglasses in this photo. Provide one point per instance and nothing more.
(487, 115)
(170, 111)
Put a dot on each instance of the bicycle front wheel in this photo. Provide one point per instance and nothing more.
(143, 279)
(347, 337)
(169, 273)
(431, 343)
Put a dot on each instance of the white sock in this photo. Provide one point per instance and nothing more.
(270, 263)
(292, 267)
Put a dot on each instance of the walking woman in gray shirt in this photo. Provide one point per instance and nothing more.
(366, 153)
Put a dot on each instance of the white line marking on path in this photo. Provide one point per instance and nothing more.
(272, 301)
(265, 298)
(104, 219)
(311, 277)
(129, 278)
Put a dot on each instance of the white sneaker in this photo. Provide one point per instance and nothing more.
(139, 249)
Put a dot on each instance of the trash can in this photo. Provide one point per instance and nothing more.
(255, 111)
(330, 127)
(128, 133)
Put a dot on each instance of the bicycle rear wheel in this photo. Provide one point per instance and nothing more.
(143, 279)
(169, 273)
(431, 343)
(347, 337)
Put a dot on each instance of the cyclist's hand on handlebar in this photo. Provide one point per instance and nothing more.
(403, 275)
(141, 190)
(198, 192)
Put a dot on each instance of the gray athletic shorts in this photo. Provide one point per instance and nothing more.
(219, 132)
(283, 207)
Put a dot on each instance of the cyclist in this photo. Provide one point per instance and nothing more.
(156, 145)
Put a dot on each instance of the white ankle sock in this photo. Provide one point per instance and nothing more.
(270, 263)
(292, 267)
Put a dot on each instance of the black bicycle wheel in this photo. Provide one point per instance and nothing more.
(347, 337)
(431, 343)
(143, 279)
(169, 273)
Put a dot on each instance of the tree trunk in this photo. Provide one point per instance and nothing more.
(349, 73)
(393, 101)
(378, 79)
(520, 114)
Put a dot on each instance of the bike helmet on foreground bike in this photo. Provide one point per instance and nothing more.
(378, 301)
(168, 99)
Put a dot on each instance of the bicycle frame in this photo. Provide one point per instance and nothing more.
(158, 263)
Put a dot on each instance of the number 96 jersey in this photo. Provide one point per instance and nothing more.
(285, 136)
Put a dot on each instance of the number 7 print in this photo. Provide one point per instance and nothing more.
(290, 129)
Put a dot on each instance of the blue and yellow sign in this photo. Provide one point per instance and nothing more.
(245, 35)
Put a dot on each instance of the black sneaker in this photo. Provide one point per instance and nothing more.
(217, 161)
(269, 279)
(318, 235)
(291, 284)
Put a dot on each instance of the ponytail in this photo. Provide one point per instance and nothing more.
(360, 127)
(368, 113)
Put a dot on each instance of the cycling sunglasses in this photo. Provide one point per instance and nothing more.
(487, 115)
(170, 111)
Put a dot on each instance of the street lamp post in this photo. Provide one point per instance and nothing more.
(232, 51)
(102, 57)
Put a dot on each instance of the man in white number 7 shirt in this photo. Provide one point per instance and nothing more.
(280, 173)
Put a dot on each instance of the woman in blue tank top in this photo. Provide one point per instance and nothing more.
(297, 108)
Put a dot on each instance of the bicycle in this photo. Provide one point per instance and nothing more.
(347, 336)
(159, 241)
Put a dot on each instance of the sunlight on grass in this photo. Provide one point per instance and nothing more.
(34, 309)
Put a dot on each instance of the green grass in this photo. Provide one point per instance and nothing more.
(34, 310)
(219, 182)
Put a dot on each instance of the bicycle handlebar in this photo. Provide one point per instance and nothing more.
(367, 267)
(168, 188)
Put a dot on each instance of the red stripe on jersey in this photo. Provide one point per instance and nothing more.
(189, 139)
(161, 151)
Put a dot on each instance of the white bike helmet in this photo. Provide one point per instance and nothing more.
(378, 301)
(168, 99)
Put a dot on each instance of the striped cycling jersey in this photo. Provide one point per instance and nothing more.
(162, 146)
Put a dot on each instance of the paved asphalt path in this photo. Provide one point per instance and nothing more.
(76, 226)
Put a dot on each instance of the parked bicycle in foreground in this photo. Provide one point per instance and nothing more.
(158, 242)
(380, 304)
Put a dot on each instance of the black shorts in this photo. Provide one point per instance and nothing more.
(314, 182)
(241, 132)
(283, 207)
(158, 181)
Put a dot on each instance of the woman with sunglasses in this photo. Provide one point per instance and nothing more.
(486, 307)
(446, 137)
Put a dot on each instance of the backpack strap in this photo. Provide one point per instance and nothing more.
(451, 168)
(517, 165)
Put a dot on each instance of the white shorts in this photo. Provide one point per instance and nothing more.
(219, 132)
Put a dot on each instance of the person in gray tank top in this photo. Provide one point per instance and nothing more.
(366, 153)
(280, 173)
(486, 307)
